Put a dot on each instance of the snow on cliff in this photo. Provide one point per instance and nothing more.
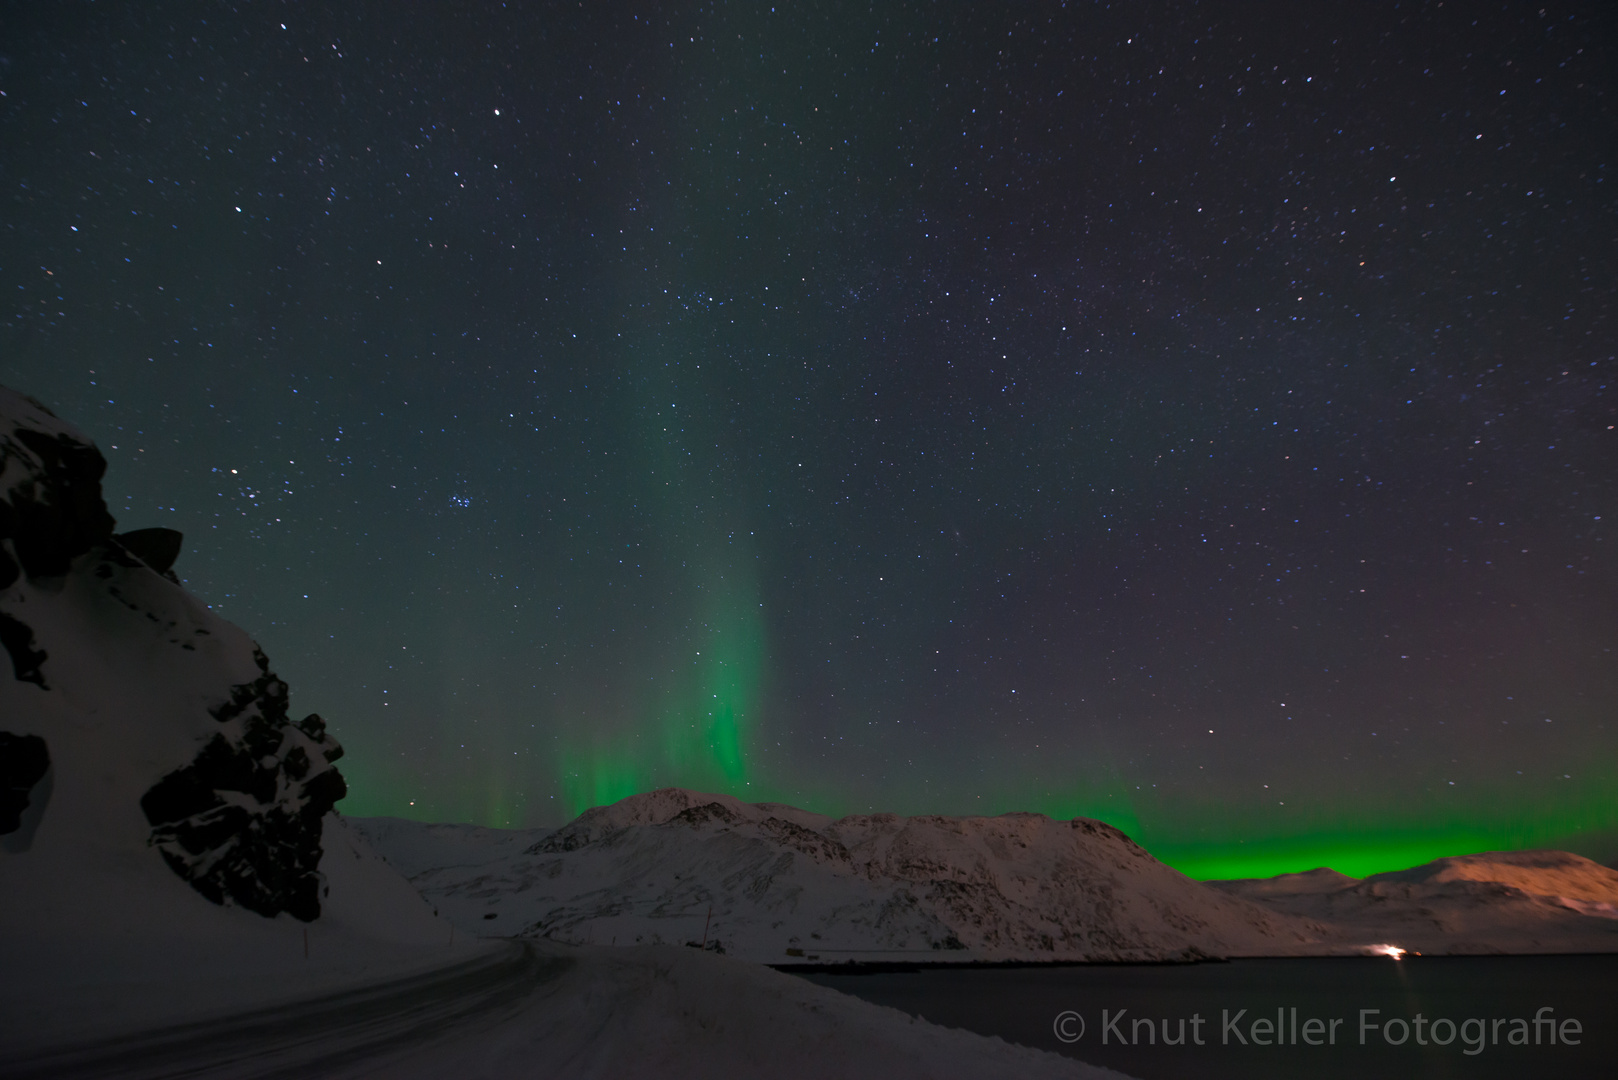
(207, 768)
(772, 883)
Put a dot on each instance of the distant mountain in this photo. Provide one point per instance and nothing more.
(1559, 874)
(773, 883)
(1493, 902)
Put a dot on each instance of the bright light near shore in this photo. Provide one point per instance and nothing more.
(1385, 950)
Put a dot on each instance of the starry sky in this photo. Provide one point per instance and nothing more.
(1197, 416)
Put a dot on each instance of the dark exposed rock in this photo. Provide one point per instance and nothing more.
(819, 848)
(18, 640)
(24, 759)
(51, 511)
(54, 513)
(157, 548)
(559, 841)
(700, 815)
(242, 822)
(1101, 828)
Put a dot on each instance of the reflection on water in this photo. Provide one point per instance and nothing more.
(1493, 1016)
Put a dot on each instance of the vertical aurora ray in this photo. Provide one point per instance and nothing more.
(705, 727)
(689, 728)
(694, 693)
(701, 413)
(735, 681)
(597, 775)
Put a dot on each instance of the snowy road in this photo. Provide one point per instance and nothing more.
(319, 1036)
(529, 1009)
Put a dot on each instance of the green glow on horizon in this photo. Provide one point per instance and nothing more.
(1358, 843)
(694, 733)
(1355, 854)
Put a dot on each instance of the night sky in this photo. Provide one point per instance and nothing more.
(1195, 416)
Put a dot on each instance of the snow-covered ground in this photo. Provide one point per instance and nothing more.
(775, 884)
(666, 1011)
(536, 1009)
(98, 948)
(138, 978)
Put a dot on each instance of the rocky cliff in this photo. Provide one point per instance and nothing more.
(131, 713)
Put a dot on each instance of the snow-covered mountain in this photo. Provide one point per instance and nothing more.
(781, 885)
(1493, 902)
(773, 883)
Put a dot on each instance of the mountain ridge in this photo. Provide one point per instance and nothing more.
(769, 881)
(778, 884)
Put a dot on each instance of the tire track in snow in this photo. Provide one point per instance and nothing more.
(316, 1036)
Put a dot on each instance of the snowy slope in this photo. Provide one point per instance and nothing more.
(415, 846)
(1493, 902)
(772, 883)
(1558, 874)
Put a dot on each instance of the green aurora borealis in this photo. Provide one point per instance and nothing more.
(1197, 420)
